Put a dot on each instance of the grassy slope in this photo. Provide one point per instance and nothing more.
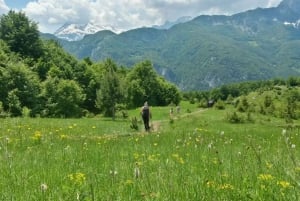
(197, 157)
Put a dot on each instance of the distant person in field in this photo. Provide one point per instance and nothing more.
(178, 109)
(171, 112)
(146, 115)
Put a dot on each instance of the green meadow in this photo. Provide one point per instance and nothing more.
(193, 155)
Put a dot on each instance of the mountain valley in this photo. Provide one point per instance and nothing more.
(207, 51)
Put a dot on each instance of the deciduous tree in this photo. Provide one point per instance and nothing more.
(21, 34)
(110, 92)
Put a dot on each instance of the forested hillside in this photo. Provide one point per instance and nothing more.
(208, 51)
(38, 78)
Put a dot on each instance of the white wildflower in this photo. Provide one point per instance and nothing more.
(113, 172)
(137, 172)
(283, 132)
(44, 187)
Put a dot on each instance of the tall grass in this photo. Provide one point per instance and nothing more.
(199, 156)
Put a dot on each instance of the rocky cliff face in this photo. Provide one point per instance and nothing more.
(293, 5)
(290, 8)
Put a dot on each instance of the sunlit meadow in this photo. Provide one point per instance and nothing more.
(196, 155)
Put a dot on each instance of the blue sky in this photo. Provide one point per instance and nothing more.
(19, 4)
(124, 14)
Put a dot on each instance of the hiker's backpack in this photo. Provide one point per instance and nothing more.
(145, 112)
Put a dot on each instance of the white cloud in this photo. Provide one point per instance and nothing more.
(272, 3)
(3, 7)
(128, 14)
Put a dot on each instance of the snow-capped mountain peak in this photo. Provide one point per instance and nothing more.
(75, 32)
(296, 24)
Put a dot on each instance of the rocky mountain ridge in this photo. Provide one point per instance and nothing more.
(208, 51)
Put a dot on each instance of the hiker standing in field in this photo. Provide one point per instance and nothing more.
(146, 115)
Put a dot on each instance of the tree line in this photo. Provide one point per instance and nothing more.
(234, 90)
(38, 78)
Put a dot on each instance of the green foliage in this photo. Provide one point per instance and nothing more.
(271, 100)
(292, 106)
(69, 98)
(134, 124)
(220, 105)
(3, 114)
(167, 94)
(5, 53)
(63, 98)
(145, 85)
(268, 106)
(21, 34)
(229, 99)
(110, 92)
(14, 104)
(234, 117)
(202, 103)
(293, 81)
(26, 112)
(243, 105)
(42, 77)
(22, 84)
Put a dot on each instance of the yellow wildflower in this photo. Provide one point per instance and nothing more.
(284, 184)
(63, 136)
(77, 178)
(226, 187)
(152, 158)
(210, 184)
(129, 182)
(37, 136)
(178, 158)
(265, 177)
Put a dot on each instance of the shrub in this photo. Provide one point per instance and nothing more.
(243, 105)
(26, 112)
(230, 99)
(134, 123)
(234, 118)
(202, 103)
(3, 114)
(220, 105)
